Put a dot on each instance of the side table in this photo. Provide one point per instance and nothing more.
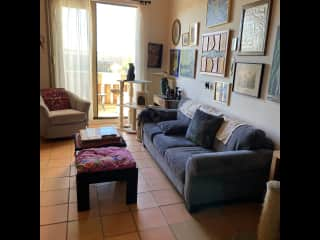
(165, 102)
(275, 166)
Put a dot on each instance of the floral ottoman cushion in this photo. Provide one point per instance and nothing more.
(104, 159)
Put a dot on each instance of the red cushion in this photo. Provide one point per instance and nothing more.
(55, 98)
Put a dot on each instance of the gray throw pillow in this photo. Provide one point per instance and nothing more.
(173, 127)
(203, 128)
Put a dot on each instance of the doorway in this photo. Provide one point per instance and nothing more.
(116, 40)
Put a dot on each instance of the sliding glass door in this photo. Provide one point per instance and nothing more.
(115, 43)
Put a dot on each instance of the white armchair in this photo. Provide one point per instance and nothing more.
(63, 123)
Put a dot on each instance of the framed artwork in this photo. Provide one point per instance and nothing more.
(154, 55)
(185, 39)
(247, 78)
(176, 31)
(217, 12)
(274, 81)
(188, 60)
(221, 92)
(174, 62)
(194, 34)
(254, 28)
(234, 44)
(214, 53)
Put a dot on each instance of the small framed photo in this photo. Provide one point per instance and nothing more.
(174, 62)
(221, 92)
(247, 78)
(234, 44)
(154, 55)
(194, 34)
(185, 39)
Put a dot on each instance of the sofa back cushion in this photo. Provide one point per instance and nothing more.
(56, 98)
(247, 137)
(203, 128)
(173, 127)
(188, 107)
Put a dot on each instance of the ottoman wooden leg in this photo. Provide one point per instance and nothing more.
(132, 186)
(82, 193)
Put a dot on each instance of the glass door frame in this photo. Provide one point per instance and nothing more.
(94, 51)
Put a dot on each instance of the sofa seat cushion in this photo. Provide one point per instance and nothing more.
(177, 158)
(66, 116)
(151, 129)
(104, 159)
(163, 142)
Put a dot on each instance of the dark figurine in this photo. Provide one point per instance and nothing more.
(168, 92)
(164, 85)
(130, 75)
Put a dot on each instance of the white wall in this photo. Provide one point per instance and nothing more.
(259, 112)
(44, 59)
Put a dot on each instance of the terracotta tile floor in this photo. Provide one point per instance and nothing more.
(158, 214)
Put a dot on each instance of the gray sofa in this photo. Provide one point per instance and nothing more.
(237, 170)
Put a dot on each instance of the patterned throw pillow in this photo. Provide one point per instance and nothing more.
(203, 128)
(55, 98)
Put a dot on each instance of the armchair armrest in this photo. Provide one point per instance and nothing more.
(79, 103)
(44, 111)
(156, 114)
(227, 163)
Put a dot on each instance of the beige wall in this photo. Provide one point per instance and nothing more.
(155, 29)
(259, 112)
(44, 60)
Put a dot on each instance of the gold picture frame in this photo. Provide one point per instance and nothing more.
(176, 32)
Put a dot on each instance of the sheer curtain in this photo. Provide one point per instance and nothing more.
(71, 46)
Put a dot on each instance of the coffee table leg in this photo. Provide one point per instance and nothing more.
(132, 186)
(82, 193)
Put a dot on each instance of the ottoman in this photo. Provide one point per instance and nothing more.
(105, 164)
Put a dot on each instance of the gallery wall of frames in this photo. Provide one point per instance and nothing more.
(224, 53)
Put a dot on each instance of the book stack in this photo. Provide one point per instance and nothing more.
(98, 137)
(90, 134)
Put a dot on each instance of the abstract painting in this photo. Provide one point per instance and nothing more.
(247, 78)
(174, 62)
(274, 82)
(154, 55)
(188, 59)
(217, 12)
(214, 53)
(254, 28)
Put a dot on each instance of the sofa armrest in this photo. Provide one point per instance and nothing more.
(228, 163)
(156, 114)
(79, 103)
